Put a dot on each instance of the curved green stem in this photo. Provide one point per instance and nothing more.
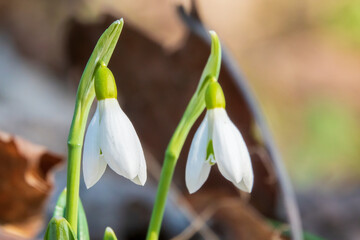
(84, 98)
(191, 114)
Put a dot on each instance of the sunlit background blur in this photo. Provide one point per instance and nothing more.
(301, 58)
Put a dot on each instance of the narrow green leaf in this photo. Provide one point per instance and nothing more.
(60, 205)
(59, 229)
(82, 227)
(109, 234)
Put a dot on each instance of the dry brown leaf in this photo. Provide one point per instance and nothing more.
(25, 184)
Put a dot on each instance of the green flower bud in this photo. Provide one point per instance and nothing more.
(109, 234)
(105, 86)
(214, 96)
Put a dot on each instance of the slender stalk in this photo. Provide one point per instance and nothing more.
(192, 112)
(73, 183)
(163, 189)
(167, 172)
(75, 143)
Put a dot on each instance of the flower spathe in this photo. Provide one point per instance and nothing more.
(218, 140)
(112, 140)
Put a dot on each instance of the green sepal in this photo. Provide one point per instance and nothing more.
(214, 96)
(105, 86)
(59, 229)
(109, 234)
(82, 226)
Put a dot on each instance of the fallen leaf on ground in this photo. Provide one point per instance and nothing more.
(25, 184)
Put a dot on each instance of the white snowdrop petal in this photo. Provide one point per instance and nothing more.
(242, 186)
(137, 181)
(247, 171)
(93, 165)
(118, 140)
(197, 169)
(140, 179)
(248, 175)
(229, 147)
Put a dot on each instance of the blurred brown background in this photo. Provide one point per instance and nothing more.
(301, 58)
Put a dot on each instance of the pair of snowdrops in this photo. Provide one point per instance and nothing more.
(112, 140)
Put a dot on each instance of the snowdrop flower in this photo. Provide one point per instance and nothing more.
(111, 138)
(217, 140)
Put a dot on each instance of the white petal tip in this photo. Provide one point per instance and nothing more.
(92, 174)
(248, 190)
(244, 186)
(89, 184)
(192, 191)
(192, 187)
(138, 181)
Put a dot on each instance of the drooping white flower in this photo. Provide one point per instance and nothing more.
(112, 140)
(218, 140)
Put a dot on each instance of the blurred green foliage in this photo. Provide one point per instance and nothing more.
(283, 228)
(329, 144)
(343, 19)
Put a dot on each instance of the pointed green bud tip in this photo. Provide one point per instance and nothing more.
(215, 43)
(214, 95)
(109, 234)
(105, 86)
(59, 228)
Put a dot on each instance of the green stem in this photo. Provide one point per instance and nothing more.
(163, 189)
(73, 183)
(75, 143)
(193, 110)
(167, 172)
